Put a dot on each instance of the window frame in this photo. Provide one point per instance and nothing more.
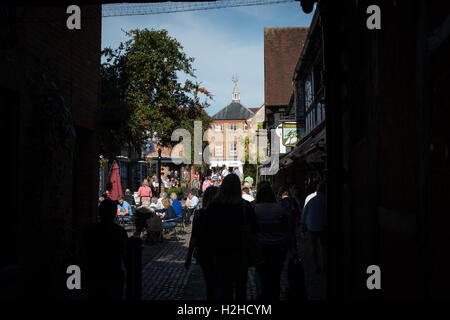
(221, 127)
(233, 149)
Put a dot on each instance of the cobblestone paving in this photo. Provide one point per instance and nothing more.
(165, 278)
(163, 274)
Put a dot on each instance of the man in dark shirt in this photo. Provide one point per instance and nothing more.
(129, 198)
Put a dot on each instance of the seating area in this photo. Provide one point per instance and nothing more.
(155, 231)
(151, 227)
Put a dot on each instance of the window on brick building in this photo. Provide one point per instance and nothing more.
(218, 150)
(233, 149)
(233, 127)
(219, 127)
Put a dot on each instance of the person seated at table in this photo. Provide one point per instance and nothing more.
(100, 199)
(124, 210)
(176, 204)
(154, 204)
(168, 214)
(106, 194)
(159, 205)
(142, 214)
(129, 197)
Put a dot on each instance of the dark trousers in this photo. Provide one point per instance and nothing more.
(230, 278)
(206, 264)
(317, 241)
(270, 270)
(189, 213)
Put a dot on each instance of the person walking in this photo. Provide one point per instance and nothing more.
(197, 244)
(313, 221)
(224, 222)
(275, 240)
(145, 192)
(196, 186)
(246, 195)
(191, 204)
(206, 183)
(291, 206)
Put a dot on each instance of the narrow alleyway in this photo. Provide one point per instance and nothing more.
(164, 276)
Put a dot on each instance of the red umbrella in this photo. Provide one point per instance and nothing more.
(116, 190)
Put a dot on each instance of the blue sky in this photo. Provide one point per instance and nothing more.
(223, 42)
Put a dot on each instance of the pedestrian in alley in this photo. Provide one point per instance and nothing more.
(144, 191)
(191, 205)
(313, 221)
(291, 206)
(206, 183)
(275, 239)
(225, 217)
(104, 248)
(197, 243)
(246, 195)
(196, 186)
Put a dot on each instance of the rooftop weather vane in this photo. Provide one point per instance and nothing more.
(235, 79)
(236, 95)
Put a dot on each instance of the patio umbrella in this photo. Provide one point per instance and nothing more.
(116, 190)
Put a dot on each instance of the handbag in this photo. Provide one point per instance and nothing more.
(251, 249)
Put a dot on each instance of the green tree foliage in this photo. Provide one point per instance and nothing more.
(142, 94)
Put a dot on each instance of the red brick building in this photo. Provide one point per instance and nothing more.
(227, 134)
(49, 84)
(282, 49)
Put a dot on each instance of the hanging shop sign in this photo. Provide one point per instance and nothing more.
(291, 133)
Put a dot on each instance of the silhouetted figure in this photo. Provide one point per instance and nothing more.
(224, 221)
(275, 239)
(314, 222)
(142, 214)
(198, 242)
(105, 245)
(291, 206)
